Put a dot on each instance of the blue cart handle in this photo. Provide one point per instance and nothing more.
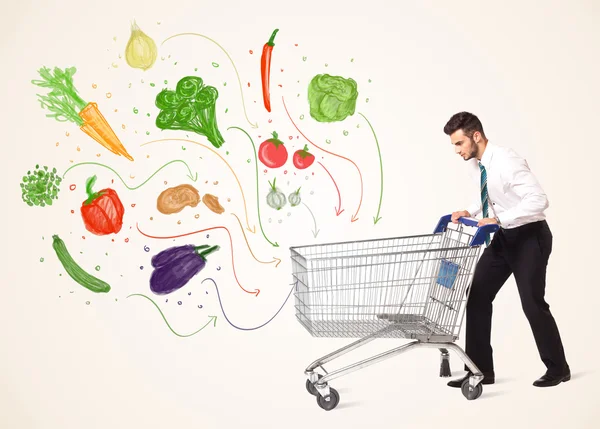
(480, 235)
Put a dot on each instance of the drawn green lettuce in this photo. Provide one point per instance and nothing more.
(332, 98)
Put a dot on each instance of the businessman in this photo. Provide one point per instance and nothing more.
(512, 198)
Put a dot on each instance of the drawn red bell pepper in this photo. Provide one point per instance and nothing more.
(103, 211)
(265, 69)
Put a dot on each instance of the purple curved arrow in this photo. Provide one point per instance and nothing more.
(247, 329)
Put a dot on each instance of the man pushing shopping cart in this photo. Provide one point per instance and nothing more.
(417, 287)
(512, 198)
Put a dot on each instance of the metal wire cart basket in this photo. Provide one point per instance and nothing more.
(412, 287)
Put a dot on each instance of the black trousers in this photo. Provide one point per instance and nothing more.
(523, 252)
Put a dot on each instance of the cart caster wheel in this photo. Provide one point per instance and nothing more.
(471, 394)
(330, 402)
(311, 388)
(445, 368)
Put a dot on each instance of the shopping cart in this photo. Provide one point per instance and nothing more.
(413, 287)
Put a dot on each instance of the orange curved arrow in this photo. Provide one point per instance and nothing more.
(255, 292)
(354, 218)
(248, 244)
(253, 229)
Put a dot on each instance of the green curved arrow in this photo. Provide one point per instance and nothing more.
(193, 178)
(377, 218)
(213, 319)
(257, 197)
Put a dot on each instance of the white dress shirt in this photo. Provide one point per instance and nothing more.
(514, 195)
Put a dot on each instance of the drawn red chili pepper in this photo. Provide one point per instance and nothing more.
(103, 211)
(265, 69)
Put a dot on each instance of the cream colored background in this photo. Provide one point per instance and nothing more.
(529, 71)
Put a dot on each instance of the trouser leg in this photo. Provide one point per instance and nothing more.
(491, 273)
(529, 265)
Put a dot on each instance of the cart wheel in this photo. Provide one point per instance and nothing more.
(445, 368)
(471, 394)
(311, 387)
(330, 402)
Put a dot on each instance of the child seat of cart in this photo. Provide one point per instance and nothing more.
(446, 277)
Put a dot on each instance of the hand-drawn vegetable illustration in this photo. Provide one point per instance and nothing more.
(176, 266)
(302, 159)
(191, 107)
(275, 198)
(74, 270)
(173, 200)
(103, 211)
(272, 152)
(265, 70)
(41, 187)
(332, 98)
(294, 198)
(212, 202)
(140, 51)
(66, 105)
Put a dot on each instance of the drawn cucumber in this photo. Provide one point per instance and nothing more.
(75, 271)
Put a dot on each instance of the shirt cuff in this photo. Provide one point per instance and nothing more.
(474, 210)
(506, 218)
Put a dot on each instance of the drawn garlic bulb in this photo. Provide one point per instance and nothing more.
(275, 198)
(140, 51)
(294, 198)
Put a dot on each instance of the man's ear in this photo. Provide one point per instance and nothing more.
(477, 137)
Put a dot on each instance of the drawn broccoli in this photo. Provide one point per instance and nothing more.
(191, 107)
(332, 98)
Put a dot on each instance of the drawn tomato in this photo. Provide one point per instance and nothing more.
(272, 153)
(302, 159)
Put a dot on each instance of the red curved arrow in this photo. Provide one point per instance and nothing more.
(255, 292)
(338, 209)
(354, 218)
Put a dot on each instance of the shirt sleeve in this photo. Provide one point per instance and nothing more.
(523, 183)
(474, 209)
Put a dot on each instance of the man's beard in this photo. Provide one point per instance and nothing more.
(473, 153)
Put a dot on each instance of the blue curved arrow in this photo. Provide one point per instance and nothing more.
(247, 329)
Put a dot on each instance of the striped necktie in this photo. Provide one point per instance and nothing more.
(484, 197)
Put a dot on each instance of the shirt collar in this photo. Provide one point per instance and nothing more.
(488, 153)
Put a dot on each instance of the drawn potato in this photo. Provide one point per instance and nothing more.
(212, 203)
(173, 200)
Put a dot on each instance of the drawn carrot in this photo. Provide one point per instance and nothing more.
(265, 69)
(66, 105)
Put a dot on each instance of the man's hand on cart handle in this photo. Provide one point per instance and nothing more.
(487, 221)
(457, 215)
(464, 213)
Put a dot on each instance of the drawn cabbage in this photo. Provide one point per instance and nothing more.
(332, 98)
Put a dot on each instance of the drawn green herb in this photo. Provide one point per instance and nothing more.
(63, 100)
(41, 187)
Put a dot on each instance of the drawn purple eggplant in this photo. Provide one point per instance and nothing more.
(172, 253)
(176, 266)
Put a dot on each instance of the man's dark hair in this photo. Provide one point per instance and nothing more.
(466, 121)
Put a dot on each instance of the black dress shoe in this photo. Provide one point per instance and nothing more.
(551, 380)
(488, 378)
